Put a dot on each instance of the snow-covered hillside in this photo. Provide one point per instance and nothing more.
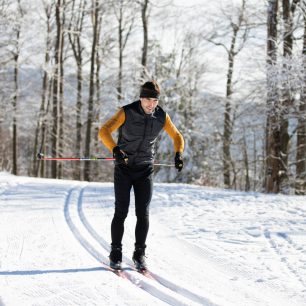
(205, 246)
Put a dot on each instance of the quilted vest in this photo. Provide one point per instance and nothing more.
(138, 134)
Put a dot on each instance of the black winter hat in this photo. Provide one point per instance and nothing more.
(150, 90)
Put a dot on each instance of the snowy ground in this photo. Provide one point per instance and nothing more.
(205, 246)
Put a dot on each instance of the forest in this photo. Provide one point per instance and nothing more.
(232, 73)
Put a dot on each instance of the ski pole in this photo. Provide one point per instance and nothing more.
(41, 156)
(164, 165)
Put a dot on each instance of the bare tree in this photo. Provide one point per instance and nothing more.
(280, 94)
(95, 18)
(16, 54)
(240, 25)
(75, 30)
(125, 17)
(272, 125)
(41, 122)
(286, 99)
(98, 84)
(57, 110)
(247, 186)
(300, 184)
(145, 26)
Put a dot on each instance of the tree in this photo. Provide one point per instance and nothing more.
(240, 24)
(144, 19)
(280, 93)
(57, 108)
(272, 125)
(75, 30)
(16, 53)
(300, 183)
(41, 126)
(124, 12)
(286, 99)
(95, 18)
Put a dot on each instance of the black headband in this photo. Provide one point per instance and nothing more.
(149, 93)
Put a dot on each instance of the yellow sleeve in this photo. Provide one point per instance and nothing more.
(178, 140)
(111, 125)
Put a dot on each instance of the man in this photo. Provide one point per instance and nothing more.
(139, 124)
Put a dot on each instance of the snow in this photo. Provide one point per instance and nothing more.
(205, 247)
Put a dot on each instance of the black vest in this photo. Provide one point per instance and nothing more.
(138, 134)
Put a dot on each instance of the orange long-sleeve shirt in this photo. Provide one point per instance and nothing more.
(112, 124)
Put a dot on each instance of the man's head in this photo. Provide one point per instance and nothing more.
(149, 95)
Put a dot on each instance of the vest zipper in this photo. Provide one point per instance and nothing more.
(143, 138)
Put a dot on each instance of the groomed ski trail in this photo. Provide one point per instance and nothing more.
(74, 198)
(161, 280)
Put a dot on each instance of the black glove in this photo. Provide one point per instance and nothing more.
(120, 156)
(178, 160)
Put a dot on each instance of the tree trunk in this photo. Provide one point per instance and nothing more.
(15, 100)
(227, 129)
(300, 183)
(77, 172)
(91, 89)
(125, 26)
(56, 88)
(45, 128)
(228, 121)
(273, 162)
(97, 171)
(247, 186)
(40, 127)
(144, 55)
(120, 38)
(16, 94)
(76, 26)
(286, 100)
(61, 93)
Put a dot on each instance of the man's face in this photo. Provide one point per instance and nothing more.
(148, 104)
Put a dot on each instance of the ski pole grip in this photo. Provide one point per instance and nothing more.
(40, 155)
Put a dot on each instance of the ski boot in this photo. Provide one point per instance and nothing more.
(139, 258)
(115, 258)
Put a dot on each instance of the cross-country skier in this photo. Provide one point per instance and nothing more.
(139, 124)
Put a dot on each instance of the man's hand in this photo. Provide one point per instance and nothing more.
(178, 160)
(120, 156)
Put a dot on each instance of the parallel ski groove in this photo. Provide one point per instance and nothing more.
(164, 282)
(102, 259)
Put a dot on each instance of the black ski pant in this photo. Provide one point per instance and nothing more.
(141, 179)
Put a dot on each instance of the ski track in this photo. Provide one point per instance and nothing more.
(282, 238)
(161, 280)
(44, 295)
(278, 250)
(144, 285)
(243, 270)
(221, 262)
(237, 272)
(3, 189)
